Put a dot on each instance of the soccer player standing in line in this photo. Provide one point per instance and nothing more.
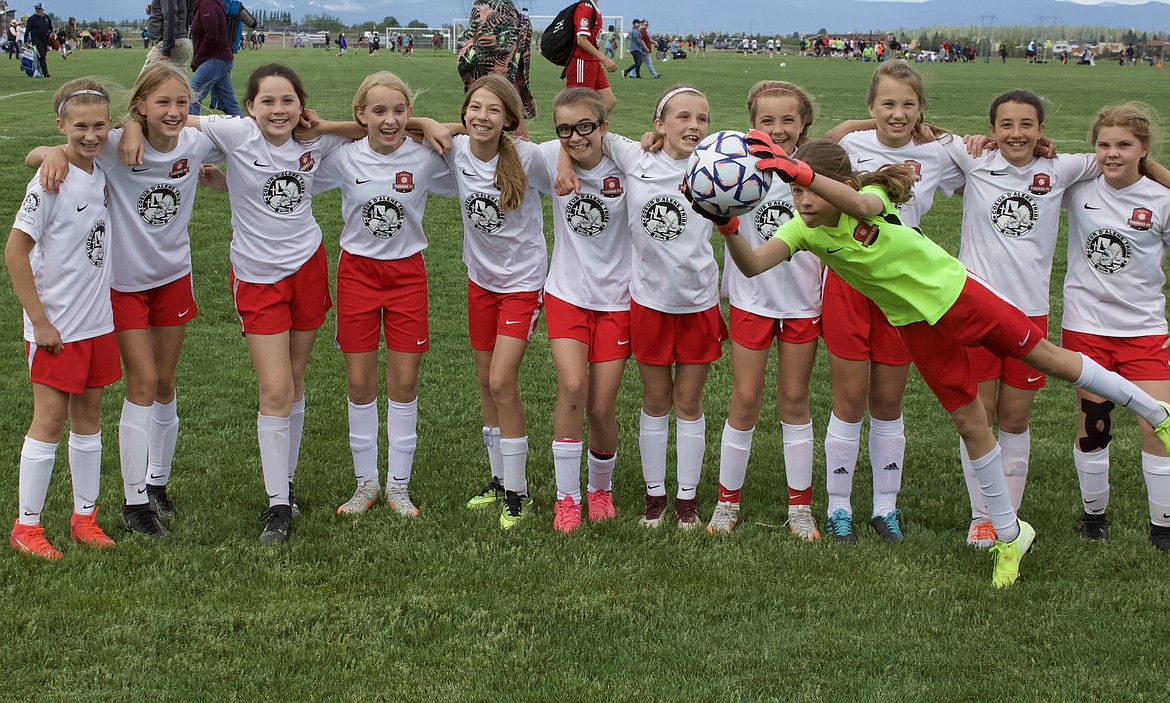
(56, 256)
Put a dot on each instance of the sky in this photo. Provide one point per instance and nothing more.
(435, 11)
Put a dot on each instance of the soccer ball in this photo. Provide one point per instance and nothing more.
(723, 177)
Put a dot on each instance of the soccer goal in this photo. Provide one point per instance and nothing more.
(541, 23)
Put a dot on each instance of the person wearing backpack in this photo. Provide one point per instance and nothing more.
(586, 60)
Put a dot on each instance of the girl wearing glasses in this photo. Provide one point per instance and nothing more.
(676, 327)
(587, 306)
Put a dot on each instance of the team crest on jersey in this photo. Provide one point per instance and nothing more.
(32, 203)
(484, 212)
(611, 186)
(1141, 219)
(916, 166)
(1013, 214)
(158, 204)
(404, 181)
(180, 169)
(771, 215)
(664, 218)
(1041, 184)
(587, 214)
(95, 244)
(284, 192)
(383, 217)
(306, 162)
(866, 233)
(1108, 251)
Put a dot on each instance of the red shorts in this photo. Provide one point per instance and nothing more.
(372, 294)
(168, 305)
(491, 315)
(663, 338)
(856, 329)
(606, 333)
(297, 302)
(757, 331)
(980, 317)
(86, 363)
(1011, 372)
(582, 73)
(1134, 358)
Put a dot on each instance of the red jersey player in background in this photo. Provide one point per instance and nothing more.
(584, 67)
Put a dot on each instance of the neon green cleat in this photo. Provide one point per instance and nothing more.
(492, 494)
(1162, 429)
(516, 507)
(1008, 556)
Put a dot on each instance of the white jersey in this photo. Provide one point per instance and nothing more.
(70, 261)
(1010, 219)
(383, 196)
(271, 187)
(674, 269)
(504, 250)
(591, 237)
(1117, 243)
(936, 171)
(150, 209)
(791, 290)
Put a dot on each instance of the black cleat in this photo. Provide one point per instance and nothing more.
(277, 525)
(160, 502)
(1160, 538)
(1096, 527)
(293, 502)
(142, 520)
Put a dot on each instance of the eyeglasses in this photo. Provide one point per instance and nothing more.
(564, 131)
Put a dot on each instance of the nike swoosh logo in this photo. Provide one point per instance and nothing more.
(512, 322)
(1026, 338)
(421, 342)
(184, 313)
(645, 176)
(684, 489)
(91, 506)
(1087, 502)
(1166, 516)
(141, 491)
(136, 169)
(360, 181)
(654, 487)
(1033, 379)
(622, 343)
(815, 320)
(999, 173)
(271, 496)
(833, 251)
(82, 207)
(399, 479)
(28, 514)
(257, 163)
(155, 476)
(465, 173)
(1090, 207)
(861, 161)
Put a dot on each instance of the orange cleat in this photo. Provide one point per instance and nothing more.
(30, 539)
(84, 529)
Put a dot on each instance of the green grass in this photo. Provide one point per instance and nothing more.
(447, 607)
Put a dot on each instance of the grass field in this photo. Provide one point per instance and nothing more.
(447, 607)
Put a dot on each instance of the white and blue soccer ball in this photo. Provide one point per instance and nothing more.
(723, 177)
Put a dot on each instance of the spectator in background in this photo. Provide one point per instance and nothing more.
(498, 40)
(636, 50)
(647, 56)
(169, 20)
(610, 42)
(213, 57)
(37, 30)
(12, 39)
(437, 41)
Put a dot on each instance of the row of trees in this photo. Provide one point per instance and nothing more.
(331, 23)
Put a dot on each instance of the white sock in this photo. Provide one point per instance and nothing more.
(401, 433)
(974, 493)
(363, 440)
(272, 433)
(1093, 476)
(1017, 449)
(296, 426)
(887, 452)
(567, 467)
(85, 466)
(652, 438)
(690, 444)
(491, 440)
(133, 445)
(1098, 381)
(1156, 471)
(163, 435)
(989, 473)
(600, 472)
(798, 455)
(735, 448)
(514, 457)
(36, 468)
(842, 442)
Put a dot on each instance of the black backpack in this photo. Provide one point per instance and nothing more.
(560, 39)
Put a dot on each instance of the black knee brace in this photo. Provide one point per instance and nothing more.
(1098, 423)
